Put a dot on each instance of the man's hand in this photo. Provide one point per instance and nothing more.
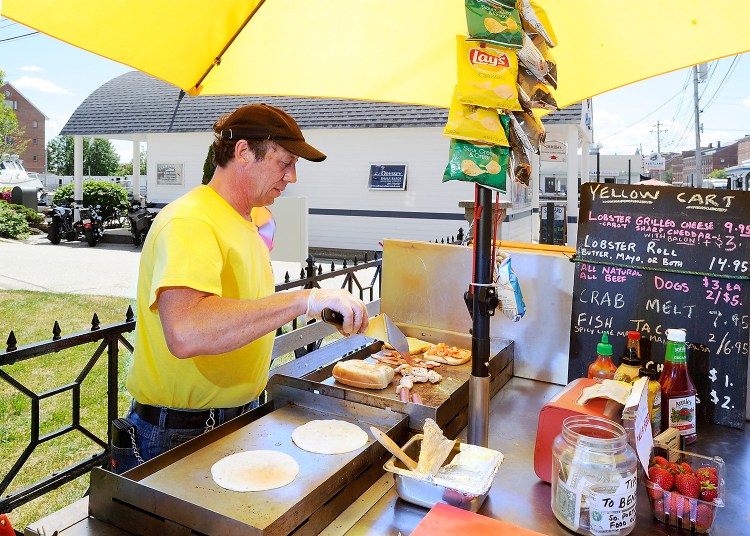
(353, 310)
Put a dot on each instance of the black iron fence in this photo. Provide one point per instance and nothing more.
(361, 278)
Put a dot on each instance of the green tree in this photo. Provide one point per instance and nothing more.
(127, 169)
(718, 174)
(99, 156)
(12, 136)
(60, 155)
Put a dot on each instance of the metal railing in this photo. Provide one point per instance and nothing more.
(109, 339)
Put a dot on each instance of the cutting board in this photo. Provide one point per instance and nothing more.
(444, 519)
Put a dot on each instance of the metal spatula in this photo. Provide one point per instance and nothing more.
(396, 338)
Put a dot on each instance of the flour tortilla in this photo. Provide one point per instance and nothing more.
(255, 470)
(329, 437)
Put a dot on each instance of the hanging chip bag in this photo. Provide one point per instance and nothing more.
(474, 123)
(535, 20)
(529, 129)
(508, 288)
(483, 164)
(541, 45)
(532, 93)
(496, 22)
(530, 56)
(487, 75)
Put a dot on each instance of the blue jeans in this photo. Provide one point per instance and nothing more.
(152, 440)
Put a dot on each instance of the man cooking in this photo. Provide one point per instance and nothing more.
(207, 311)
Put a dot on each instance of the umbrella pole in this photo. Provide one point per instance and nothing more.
(481, 305)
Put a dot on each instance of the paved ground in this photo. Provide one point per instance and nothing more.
(109, 269)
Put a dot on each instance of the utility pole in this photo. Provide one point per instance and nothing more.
(659, 130)
(698, 175)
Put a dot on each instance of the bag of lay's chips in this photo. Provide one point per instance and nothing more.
(541, 45)
(497, 22)
(487, 75)
(519, 168)
(533, 93)
(534, 19)
(483, 164)
(469, 122)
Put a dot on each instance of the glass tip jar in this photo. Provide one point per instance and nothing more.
(594, 477)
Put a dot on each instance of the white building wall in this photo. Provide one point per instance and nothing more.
(363, 217)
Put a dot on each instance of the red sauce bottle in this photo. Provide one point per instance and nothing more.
(603, 368)
(677, 389)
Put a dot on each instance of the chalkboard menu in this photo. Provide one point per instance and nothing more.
(651, 258)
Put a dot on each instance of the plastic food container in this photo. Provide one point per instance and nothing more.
(679, 511)
(429, 493)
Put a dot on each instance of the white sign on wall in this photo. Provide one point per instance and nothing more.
(654, 161)
(553, 151)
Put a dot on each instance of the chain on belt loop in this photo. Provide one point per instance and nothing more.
(210, 422)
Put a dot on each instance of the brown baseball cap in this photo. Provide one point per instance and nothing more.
(265, 122)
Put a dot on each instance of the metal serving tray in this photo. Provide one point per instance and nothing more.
(175, 493)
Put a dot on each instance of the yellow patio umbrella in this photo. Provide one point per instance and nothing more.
(385, 50)
(389, 50)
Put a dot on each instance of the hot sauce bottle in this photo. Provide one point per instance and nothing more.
(602, 368)
(677, 389)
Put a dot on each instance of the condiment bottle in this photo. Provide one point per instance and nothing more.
(602, 368)
(654, 399)
(630, 366)
(634, 341)
(677, 389)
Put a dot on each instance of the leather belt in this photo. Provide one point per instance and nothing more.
(177, 418)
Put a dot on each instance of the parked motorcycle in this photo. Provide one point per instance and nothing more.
(140, 219)
(62, 223)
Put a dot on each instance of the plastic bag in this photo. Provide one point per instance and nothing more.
(484, 164)
(533, 93)
(495, 22)
(535, 20)
(487, 75)
(474, 123)
(508, 288)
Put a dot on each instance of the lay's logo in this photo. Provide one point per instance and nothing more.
(479, 57)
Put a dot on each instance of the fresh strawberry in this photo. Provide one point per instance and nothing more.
(677, 506)
(704, 517)
(660, 461)
(674, 468)
(688, 484)
(662, 477)
(705, 474)
(708, 492)
(686, 468)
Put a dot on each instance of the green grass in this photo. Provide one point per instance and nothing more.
(31, 316)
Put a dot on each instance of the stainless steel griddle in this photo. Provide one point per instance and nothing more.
(445, 402)
(175, 493)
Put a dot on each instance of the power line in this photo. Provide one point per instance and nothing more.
(644, 117)
(18, 37)
(729, 72)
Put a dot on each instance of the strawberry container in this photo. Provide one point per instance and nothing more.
(677, 510)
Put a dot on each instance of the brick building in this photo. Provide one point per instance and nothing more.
(712, 158)
(32, 121)
(743, 149)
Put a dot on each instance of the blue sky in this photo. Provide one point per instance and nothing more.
(57, 77)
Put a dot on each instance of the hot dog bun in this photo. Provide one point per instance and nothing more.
(365, 374)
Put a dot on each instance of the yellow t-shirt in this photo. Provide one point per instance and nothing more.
(199, 241)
